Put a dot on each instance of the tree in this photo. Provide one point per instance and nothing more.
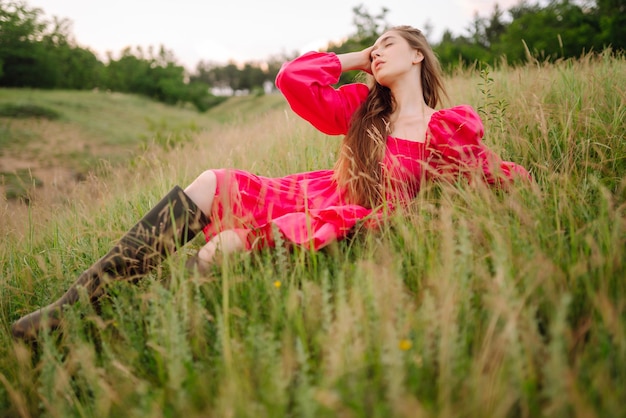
(35, 52)
(495, 26)
(368, 29)
(560, 30)
(78, 68)
(612, 19)
(24, 60)
(157, 76)
(251, 77)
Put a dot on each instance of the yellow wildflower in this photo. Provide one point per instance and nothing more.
(405, 345)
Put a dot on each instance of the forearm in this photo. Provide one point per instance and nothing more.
(359, 60)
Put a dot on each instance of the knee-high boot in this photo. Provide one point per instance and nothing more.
(173, 222)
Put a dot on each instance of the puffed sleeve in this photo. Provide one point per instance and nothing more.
(306, 82)
(455, 146)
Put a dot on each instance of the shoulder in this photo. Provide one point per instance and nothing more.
(458, 122)
(459, 114)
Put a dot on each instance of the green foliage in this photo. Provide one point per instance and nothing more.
(28, 110)
(155, 76)
(491, 109)
(453, 52)
(561, 29)
(25, 60)
(612, 15)
(80, 69)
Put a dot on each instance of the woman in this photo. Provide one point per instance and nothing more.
(394, 139)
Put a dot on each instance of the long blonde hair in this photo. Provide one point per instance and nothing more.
(358, 168)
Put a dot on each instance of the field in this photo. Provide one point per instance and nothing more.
(473, 302)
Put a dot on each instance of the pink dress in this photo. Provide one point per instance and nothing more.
(309, 209)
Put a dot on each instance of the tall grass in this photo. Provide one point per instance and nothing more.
(472, 302)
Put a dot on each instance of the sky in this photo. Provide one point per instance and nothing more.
(245, 30)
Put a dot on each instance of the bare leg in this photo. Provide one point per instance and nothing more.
(202, 191)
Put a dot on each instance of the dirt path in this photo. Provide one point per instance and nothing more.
(41, 162)
(53, 154)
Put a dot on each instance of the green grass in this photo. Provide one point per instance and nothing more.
(18, 184)
(28, 111)
(109, 118)
(472, 302)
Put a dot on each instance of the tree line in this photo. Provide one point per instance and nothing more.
(560, 29)
(40, 52)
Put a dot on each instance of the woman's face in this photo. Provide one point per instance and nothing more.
(392, 56)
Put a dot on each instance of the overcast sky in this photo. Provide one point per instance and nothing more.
(245, 30)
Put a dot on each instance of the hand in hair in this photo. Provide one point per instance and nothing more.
(358, 60)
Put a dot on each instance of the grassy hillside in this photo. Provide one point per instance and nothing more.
(52, 140)
(473, 302)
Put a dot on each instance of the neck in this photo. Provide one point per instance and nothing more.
(408, 95)
(409, 100)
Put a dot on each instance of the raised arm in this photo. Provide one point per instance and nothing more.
(359, 60)
(307, 84)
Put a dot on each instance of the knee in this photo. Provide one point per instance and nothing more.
(202, 190)
(205, 183)
(206, 180)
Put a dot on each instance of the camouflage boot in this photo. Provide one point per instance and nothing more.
(173, 222)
